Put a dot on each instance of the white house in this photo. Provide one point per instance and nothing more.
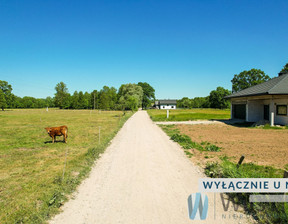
(265, 101)
(166, 104)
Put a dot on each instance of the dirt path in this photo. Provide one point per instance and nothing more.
(143, 177)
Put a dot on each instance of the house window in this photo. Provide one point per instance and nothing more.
(281, 110)
(163, 107)
(172, 107)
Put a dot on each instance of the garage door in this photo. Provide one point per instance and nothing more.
(239, 111)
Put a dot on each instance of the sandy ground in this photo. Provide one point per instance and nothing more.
(143, 177)
(260, 146)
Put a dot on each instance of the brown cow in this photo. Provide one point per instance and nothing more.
(58, 131)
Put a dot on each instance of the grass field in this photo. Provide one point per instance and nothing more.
(189, 114)
(33, 186)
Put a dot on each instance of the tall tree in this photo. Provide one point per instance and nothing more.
(107, 98)
(94, 99)
(28, 102)
(75, 100)
(49, 101)
(148, 94)
(16, 101)
(216, 98)
(62, 96)
(83, 100)
(7, 89)
(87, 100)
(3, 104)
(130, 96)
(247, 79)
(185, 102)
(284, 69)
(200, 102)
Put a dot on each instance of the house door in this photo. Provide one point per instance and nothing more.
(266, 112)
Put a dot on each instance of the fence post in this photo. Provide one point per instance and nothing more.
(65, 164)
(99, 133)
(240, 161)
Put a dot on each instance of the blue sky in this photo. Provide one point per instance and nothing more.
(182, 48)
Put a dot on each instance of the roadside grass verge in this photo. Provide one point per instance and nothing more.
(262, 212)
(189, 114)
(34, 183)
(186, 142)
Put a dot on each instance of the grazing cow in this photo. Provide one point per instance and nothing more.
(58, 131)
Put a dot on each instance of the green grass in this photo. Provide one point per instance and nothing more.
(189, 154)
(228, 169)
(268, 126)
(263, 212)
(185, 141)
(31, 168)
(189, 114)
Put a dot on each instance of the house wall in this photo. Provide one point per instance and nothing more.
(280, 119)
(254, 111)
(168, 106)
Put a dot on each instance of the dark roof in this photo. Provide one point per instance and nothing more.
(161, 102)
(275, 86)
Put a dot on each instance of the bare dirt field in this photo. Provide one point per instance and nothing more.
(260, 146)
(143, 177)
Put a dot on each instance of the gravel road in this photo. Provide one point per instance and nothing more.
(143, 177)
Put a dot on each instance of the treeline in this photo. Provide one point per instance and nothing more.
(214, 100)
(128, 97)
(28, 102)
(197, 102)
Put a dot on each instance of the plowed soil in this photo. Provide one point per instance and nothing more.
(260, 146)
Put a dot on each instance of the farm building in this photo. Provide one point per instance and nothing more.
(266, 101)
(165, 104)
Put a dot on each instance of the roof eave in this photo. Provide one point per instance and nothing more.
(247, 95)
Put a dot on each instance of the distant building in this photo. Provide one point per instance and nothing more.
(165, 104)
(266, 101)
